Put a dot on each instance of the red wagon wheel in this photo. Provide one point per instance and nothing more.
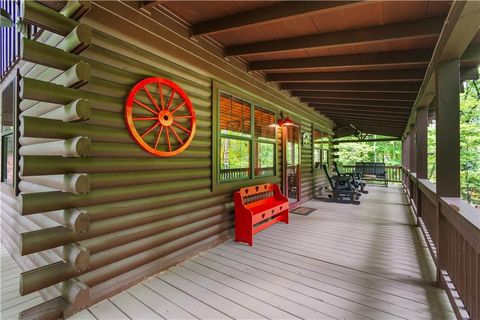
(158, 124)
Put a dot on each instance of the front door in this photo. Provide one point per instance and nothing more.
(292, 161)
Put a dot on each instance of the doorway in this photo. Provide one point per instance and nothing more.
(291, 158)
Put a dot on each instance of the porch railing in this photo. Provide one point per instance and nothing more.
(451, 228)
(394, 173)
(244, 173)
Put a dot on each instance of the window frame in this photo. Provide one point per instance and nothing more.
(218, 89)
(322, 161)
(12, 79)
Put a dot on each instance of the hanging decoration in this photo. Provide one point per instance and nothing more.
(160, 117)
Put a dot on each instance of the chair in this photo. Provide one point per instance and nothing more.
(342, 188)
(354, 176)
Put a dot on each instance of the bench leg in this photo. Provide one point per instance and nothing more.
(285, 217)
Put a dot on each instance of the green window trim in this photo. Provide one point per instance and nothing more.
(218, 89)
(324, 152)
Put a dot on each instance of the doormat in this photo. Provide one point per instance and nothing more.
(304, 211)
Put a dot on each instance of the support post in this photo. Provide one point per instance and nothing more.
(447, 148)
(413, 152)
(421, 154)
(448, 128)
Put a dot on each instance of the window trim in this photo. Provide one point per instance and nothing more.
(317, 171)
(217, 89)
(16, 143)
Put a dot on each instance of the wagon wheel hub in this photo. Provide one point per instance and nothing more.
(165, 118)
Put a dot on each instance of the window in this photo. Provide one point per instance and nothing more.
(7, 130)
(247, 142)
(320, 149)
(264, 142)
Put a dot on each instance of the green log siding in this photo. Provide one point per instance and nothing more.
(145, 213)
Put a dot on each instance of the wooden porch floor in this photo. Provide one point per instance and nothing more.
(362, 261)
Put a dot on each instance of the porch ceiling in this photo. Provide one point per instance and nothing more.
(356, 62)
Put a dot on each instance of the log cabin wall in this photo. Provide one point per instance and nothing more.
(95, 213)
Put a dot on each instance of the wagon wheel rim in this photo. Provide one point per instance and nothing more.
(166, 126)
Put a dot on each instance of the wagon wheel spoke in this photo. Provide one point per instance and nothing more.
(177, 136)
(178, 107)
(183, 117)
(151, 98)
(171, 99)
(168, 139)
(145, 106)
(160, 92)
(180, 126)
(149, 129)
(157, 139)
(144, 118)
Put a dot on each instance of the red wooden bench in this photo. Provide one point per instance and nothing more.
(257, 208)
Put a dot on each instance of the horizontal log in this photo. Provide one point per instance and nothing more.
(77, 256)
(46, 55)
(77, 220)
(75, 77)
(114, 269)
(115, 218)
(51, 309)
(47, 18)
(74, 183)
(74, 147)
(43, 165)
(56, 5)
(78, 110)
(25, 141)
(108, 180)
(52, 274)
(56, 200)
(28, 187)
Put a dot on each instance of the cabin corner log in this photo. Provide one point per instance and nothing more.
(106, 233)
(75, 9)
(77, 220)
(76, 292)
(77, 256)
(78, 110)
(47, 18)
(74, 183)
(75, 77)
(74, 147)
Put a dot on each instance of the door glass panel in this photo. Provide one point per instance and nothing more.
(293, 163)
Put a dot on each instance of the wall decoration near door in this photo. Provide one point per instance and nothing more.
(160, 117)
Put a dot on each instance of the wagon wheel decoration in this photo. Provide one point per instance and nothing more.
(160, 117)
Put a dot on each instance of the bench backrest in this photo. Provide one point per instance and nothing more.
(325, 169)
(377, 168)
(339, 168)
(256, 193)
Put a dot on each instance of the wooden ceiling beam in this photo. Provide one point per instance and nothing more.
(366, 116)
(356, 96)
(353, 87)
(396, 31)
(409, 75)
(360, 109)
(411, 58)
(267, 14)
(398, 105)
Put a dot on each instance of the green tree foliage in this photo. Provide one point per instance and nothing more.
(389, 152)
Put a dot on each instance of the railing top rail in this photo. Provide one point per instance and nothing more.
(465, 210)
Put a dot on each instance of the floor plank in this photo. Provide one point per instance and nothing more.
(343, 261)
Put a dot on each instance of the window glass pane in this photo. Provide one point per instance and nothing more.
(265, 159)
(264, 120)
(317, 148)
(234, 116)
(7, 159)
(234, 159)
